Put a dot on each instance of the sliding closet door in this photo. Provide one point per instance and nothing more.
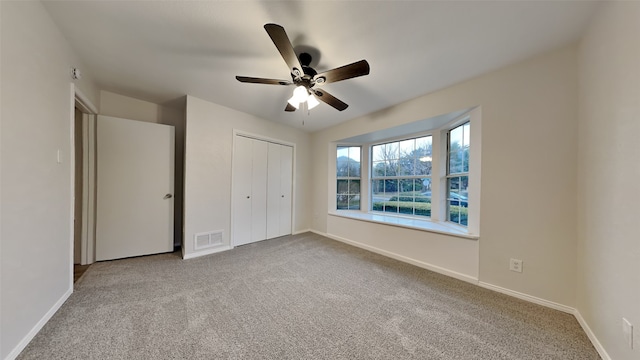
(279, 190)
(262, 188)
(259, 191)
(273, 191)
(249, 190)
(241, 194)
(286, 189)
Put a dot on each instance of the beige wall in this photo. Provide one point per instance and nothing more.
(608, 279)
(208, 156)
(125, 107)
(529, 153)
(36, 208)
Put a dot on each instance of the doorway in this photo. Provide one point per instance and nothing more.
(83, 194)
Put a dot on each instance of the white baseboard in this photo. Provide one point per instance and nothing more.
(594, 340)
(206, 252)
(424, 265)
(38, 326)
(529, 298)
(303, 231)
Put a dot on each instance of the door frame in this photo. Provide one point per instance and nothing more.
(237, 132)
(87, 238)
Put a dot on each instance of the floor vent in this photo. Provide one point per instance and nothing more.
(207, 239)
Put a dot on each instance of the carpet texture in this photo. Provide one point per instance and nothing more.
(296, 297)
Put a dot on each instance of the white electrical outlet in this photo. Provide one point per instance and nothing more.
(515, 265)
(627, 330)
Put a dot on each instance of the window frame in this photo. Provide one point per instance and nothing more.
(349, 179)
(438, 129)
(399, 177)
(453, 175)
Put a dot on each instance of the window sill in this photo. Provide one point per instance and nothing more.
(406, 222)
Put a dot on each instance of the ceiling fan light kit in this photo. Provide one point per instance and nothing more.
(304, 77)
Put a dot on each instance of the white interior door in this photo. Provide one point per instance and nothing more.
(134, 203)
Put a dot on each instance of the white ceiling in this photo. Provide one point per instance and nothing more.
(161, 50)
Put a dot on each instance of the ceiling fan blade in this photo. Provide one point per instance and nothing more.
(329, 99)
(253, 80)
(290, 108)
(282, 42)
(358, 68)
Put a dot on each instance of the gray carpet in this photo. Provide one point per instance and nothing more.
(296, 297)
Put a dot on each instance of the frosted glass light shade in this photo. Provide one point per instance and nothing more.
(293, 101)
(300, 94)
(312, 102)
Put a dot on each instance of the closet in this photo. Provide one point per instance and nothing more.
(261, 190)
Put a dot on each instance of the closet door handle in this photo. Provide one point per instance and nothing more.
(248, 197)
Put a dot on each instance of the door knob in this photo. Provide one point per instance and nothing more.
(168, 196)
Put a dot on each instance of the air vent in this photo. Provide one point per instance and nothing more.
(207, 239)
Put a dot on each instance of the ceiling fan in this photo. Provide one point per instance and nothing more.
(305, 78)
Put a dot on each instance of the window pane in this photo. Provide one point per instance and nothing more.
(423, 166)
(391, 168)
(455, 161)
(378, 198)
(458, 156)
(354, 186)
(348, 194)
(406, 166)
(455, 137)
(454, 187)
(343, 187)
(466, 130)
(391, 195)
(457, 199)
(391, 187)
(342, 202)
(354, 202)
(377, 153)
(392, 151)
(423, 146)
(348, 161)
(343, 151)
(378, 168)
(354, 161)
(406, 188)
(354, 168)
(407, 147)
(422, 205)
